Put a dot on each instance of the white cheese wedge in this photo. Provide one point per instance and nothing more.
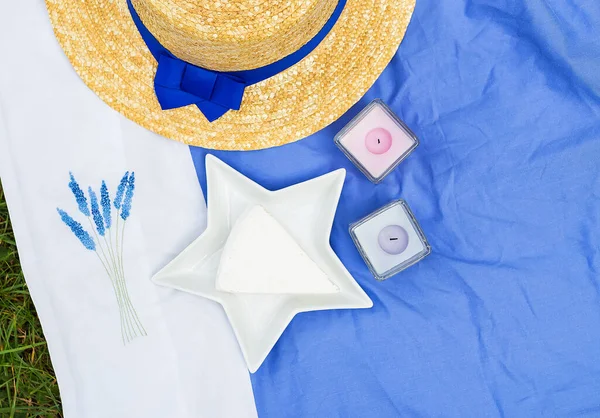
(260, 256)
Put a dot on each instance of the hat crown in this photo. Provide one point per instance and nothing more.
(233, 35)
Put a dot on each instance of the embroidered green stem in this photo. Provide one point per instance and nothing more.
(123, 331)
(132, 310)
(121, 293)
(130, 326)
(128, 330)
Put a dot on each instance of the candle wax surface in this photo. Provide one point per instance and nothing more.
(355, 142)
(393, 239)
(378, 141)
(368, 237)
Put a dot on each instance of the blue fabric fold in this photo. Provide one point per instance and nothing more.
(178, 83)
(503, 318)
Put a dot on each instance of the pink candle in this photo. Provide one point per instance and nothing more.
(376, 140)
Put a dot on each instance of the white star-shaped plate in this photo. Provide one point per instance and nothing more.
(306, 210)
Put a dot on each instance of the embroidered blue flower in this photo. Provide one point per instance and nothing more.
(105, 203)
(108, 251)
(120, 190)
(126, 209)
(79, 196)
(78, 230)
(96, 212)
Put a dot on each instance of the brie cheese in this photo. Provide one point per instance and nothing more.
(260, 256)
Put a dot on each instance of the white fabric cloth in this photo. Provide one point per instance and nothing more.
(189, 365)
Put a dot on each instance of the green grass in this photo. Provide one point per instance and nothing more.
(28, 387)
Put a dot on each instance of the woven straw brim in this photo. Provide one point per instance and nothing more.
(106, 50)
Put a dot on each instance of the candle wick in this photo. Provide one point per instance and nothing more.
(393, 239)
(378, 141)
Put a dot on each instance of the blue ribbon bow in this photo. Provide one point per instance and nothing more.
(178, 83)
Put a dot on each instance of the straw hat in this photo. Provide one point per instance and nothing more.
(104, 46)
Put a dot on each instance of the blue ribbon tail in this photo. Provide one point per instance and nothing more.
(173, 99)
(212, 111)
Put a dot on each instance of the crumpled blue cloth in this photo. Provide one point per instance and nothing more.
(503, 318)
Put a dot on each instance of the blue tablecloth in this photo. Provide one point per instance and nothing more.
(503, 318)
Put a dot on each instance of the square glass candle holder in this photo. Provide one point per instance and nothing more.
(376, 140)
(390, 240)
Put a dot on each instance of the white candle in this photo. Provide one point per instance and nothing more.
(390, 240)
